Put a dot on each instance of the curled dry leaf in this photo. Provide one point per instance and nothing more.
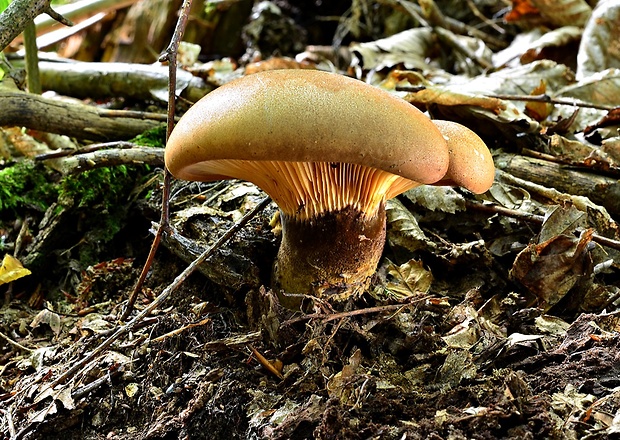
(516, 80)
(409, 279)
(47, 317)
(557, 39)
(539, 110)
(403, 229)
(343, 385)
(601, 89)
(552, 12)
(605, 156)
(409, 48)
(445, 97)
(597, 50)
(552, 268)
(437, 198)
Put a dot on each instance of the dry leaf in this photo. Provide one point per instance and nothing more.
(558, 39)
(409, 48)
(410, 279)
(539, 110)
(47, 317)
(552, 268)
(599, 44)
(403, 229)
(11, 269)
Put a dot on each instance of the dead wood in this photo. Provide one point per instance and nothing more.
(19, 13)
(112, 157)
(116, 80)
(600, 189)
(75, 120)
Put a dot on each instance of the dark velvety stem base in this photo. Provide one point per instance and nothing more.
(333, 255)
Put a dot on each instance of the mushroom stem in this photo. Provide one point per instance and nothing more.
(333, 255)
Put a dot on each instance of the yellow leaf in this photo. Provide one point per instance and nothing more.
(11, 269)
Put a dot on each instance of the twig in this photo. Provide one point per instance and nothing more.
(550, 100)
(17, 15)
(326, 317)
(533, 218)
(169, 55)
(180, 330)
(533, 98)
(474, 9)
(107, 158)
(600, 168)
(452, 24)
(58, 35)
(16, 344)
(135, 115)
(9, 421)
(450, 37)
(95, 384)
(265, 363)
(162, 296)
(89, 149)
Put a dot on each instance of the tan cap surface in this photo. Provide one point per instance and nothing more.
(471, 164)
(305, 116)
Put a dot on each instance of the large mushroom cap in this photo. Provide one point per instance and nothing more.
(304, 116)
(471, 164)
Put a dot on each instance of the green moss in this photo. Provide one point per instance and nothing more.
(94, 204)
(98, 188)
(100, 198)
(155, 137)
(26, 185)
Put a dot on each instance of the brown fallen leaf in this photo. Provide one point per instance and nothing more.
(552, 268)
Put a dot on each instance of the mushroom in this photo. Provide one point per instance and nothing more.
(471, 164)
(329, 150)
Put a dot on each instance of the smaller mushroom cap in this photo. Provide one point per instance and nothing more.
(471, 164)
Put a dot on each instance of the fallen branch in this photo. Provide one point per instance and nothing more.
(169, 56)
(602, 190)
(533, 218)
(106, 158)
(163, 296)
(75, 120)
(19, 13)
(119, 80)
(79, 11)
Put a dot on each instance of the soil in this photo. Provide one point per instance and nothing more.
(490, 317)
(216, 361)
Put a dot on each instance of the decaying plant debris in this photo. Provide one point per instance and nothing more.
(491, 316)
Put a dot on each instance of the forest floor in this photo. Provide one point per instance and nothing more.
(493, 316)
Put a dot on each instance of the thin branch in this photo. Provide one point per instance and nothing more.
(162, 296)
(19, 13)
(474, 9)
(106, 158)
(550, 100)
(533, 218)
(16, 344)
(56, 16)
(89, 149)
(169, 55)
(326, 317)
(33, 77)
(134, 114)
(532, 98)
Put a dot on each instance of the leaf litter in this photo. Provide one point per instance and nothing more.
(492, 316)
